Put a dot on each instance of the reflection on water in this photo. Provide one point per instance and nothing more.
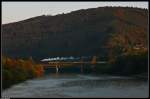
(79, 85)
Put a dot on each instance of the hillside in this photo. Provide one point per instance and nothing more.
(85, 32)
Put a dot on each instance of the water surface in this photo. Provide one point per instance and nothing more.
(79, 85)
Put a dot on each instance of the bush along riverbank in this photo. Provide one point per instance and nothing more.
(131, 64)
(18, 70)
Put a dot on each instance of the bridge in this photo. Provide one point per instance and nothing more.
(61, 64)
(65, 64)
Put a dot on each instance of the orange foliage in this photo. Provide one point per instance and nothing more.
(22, 66)
(120, 13)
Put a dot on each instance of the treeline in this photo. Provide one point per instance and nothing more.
(18, 70)
(130, 64)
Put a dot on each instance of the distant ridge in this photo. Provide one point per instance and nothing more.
(85, 32)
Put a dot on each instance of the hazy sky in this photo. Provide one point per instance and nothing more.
(16, 11)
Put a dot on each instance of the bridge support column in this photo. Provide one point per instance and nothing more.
(57, 68)
(81, 68)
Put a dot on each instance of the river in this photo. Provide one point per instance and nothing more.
(79, 85)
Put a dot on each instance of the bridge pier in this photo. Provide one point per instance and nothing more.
(57, 69)
(81, 68)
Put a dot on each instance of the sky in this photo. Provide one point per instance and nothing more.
(17, 11)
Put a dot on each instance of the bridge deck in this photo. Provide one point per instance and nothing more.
(64, 64)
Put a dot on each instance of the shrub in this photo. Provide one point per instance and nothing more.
(17, 70)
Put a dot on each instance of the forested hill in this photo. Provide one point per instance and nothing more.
(84, 32)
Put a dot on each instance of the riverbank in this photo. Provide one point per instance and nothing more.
(15, 71)
(141, 76)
